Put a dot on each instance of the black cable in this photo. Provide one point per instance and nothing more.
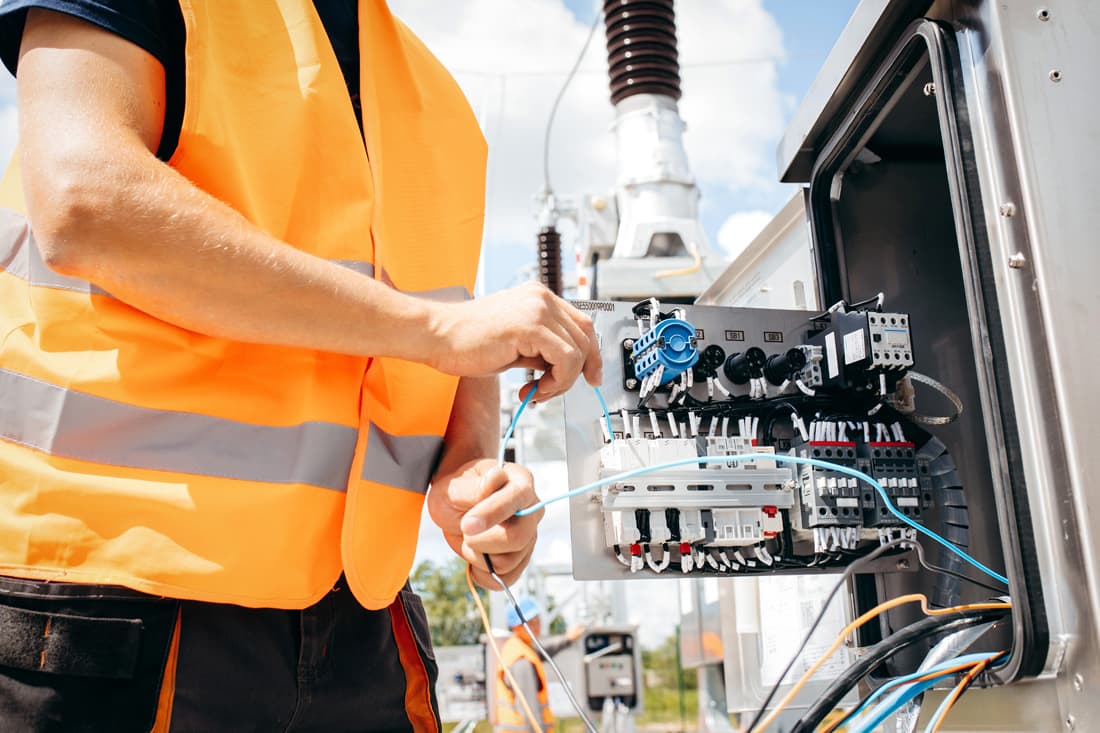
(921, 558)
(557, 100)
(960, 576)
(872, 658)
(848, 572)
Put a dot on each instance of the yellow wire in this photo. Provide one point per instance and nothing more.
(535, 724)
(690, 270)
(873, 613)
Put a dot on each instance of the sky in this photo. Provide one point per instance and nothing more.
(745, 66)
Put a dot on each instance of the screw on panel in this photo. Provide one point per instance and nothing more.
(1043, 14)
(1078, 683)
(930, 89)
(1055, 75)
(631, 383)
(629, 343)
(1007, 209)
(903, 564)
(1017, 261)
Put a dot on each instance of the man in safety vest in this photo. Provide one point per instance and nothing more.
(523, 660)
(237, 345)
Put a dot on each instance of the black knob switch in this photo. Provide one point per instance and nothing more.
(746, 365)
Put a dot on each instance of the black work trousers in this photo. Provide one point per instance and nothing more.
(79, 658)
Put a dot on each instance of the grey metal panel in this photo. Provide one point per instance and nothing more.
(614, 322)
(1037, 148)
(786, 235)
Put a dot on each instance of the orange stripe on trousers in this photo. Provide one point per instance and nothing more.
(418, 693)
(168, 684)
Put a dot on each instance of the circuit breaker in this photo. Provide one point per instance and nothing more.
(740, 433)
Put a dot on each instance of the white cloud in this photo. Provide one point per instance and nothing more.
(739, 229)
(734, 113)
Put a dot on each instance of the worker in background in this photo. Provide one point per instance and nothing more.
(522, 658)
(237, 345)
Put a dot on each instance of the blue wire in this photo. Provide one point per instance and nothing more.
(523, 406)
(892, 685)
(606, 414)
(515, 420)
(620, 477)
(886, 710)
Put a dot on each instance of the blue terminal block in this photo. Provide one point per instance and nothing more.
(671, 343)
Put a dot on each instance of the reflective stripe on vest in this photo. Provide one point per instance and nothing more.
(403, 462)
(135, 452)
(71, 424)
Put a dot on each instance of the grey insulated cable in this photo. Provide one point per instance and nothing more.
(542, 650)
(942, 389)
(547, 188)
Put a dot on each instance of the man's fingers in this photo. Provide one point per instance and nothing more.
(507, 566)
(529, 362)
(472, 496)
(509, 536)
(555, 343)
(586, 359)
(593, 362)
(503, 494)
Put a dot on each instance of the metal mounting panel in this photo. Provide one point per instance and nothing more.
(733, 329)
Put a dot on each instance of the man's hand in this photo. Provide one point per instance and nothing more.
(475, 506)
(526, 327)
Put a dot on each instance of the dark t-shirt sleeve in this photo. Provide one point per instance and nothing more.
(154, 25)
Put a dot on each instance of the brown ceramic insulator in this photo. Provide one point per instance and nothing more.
(550, 259)
(641, 48)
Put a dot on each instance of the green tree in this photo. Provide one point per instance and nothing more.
(664, 662)
(452, 616)
(557, 623)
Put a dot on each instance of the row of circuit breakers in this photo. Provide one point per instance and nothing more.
(832, 387)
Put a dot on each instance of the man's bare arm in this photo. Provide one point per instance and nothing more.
(105, 209)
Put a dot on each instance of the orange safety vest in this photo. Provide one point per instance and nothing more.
(138, 453)
(510, 713)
